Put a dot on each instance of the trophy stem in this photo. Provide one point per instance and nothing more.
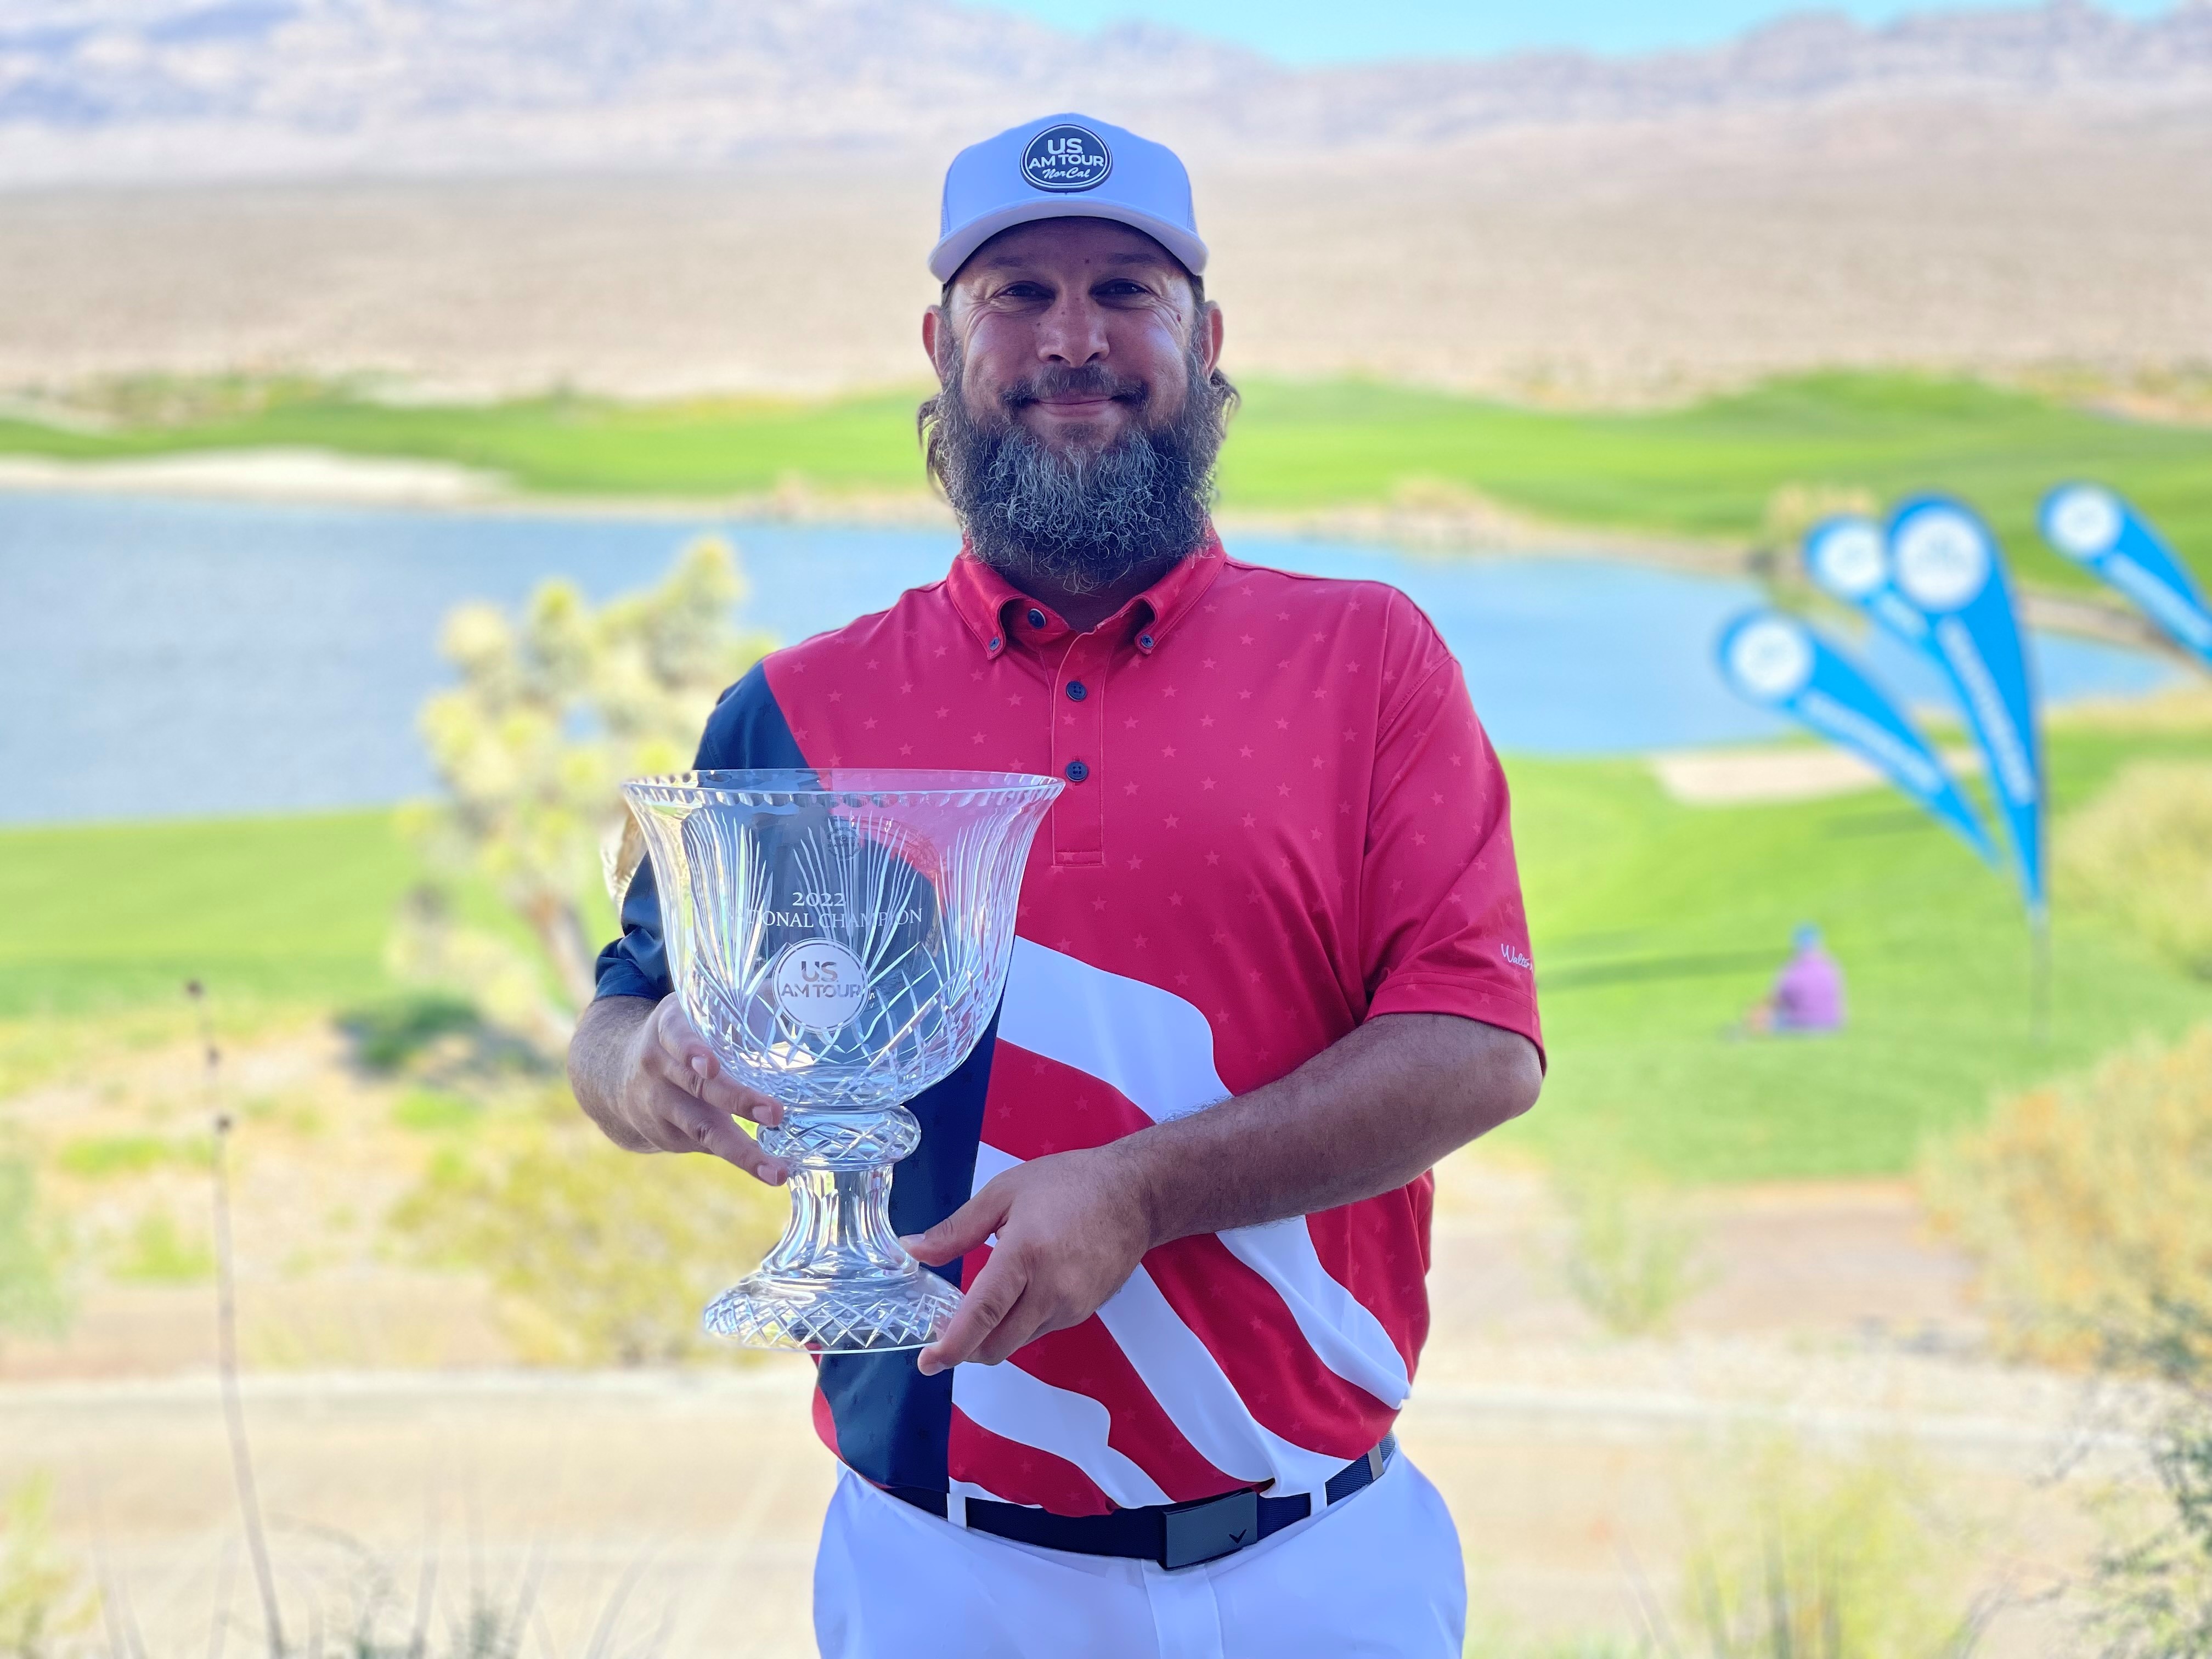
(837, 1281)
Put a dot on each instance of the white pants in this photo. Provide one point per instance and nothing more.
(1378, 1575)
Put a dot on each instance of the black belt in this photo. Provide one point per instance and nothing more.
(1173, 1535)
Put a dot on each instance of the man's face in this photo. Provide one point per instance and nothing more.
(1079, 410)
(1078, 330)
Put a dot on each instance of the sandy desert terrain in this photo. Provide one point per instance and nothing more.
(1593, 262)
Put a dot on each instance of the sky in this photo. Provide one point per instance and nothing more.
(1345, 31)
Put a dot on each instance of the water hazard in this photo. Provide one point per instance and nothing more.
(168, 657)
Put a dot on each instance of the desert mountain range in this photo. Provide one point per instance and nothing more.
(173, 87)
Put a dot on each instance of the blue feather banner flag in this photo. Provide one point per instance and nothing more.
(1774, 659)
(1936, 578)
(2101, 532)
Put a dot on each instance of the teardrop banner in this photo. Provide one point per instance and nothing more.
(1936, 578)
(1773, 658)
(2102, 533)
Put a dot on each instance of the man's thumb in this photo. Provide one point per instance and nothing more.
(960, 1232)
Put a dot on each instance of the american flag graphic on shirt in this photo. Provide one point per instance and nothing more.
(1288, 821)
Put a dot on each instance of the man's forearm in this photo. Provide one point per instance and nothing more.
(1364, 1116)
(597, 1056)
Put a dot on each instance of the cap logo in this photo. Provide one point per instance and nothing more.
(1066, 158)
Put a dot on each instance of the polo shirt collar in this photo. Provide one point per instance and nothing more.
(998, 613)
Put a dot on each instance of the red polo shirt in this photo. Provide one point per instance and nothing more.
(1282, 818)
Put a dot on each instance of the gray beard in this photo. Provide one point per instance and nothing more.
(1084, 521)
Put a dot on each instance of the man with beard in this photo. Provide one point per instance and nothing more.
(1272, 965)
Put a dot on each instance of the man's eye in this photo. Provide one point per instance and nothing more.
(1122, 289)
(1025, 291)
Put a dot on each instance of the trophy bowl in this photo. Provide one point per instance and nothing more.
(840, 937)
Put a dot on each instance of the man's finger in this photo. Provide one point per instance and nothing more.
(988, 1300)
(685, 1060)
(720, 1090)
(703, 1128)
(1024, 1322)
(965, 1230)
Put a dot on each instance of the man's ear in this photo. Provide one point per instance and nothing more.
(1209, 320)
(937, 339)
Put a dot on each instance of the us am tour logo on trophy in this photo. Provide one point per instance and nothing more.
(1067, 158)
(819, 984)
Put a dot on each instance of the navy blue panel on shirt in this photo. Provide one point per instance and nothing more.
(746, 729)
(893, 1422)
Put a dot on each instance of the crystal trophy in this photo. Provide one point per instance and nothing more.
(840, 937)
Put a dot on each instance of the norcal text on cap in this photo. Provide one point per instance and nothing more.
(1065, 166)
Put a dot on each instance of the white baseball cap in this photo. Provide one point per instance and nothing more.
(1065, 166)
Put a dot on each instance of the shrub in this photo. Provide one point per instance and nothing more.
(159, 1252)
(387, 1035)
(1820, 1558)
(41, 1599)
(603, 1256)
(2151, 1597)
(2085, 1202)
(32, 1299)
(2141, 852)
(1631, 1258)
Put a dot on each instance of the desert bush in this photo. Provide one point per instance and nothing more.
(33, 1300)
(388, 1033)
(603, 1256)
(157, 1251)
(2150, 1595)
(1812, 1558)
(42, 1601)
(1632, 1247)
(553, 709)
(2085, 1203)
(2142, 852)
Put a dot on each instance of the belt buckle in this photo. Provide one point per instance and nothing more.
(1210, 1529)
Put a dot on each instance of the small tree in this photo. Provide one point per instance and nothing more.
(554, 709)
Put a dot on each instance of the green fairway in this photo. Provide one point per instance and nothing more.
(281, 910)
(1706, 471)
(1656, 924)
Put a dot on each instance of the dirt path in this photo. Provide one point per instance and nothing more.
(1569, 1460)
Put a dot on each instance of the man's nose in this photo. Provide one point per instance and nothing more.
(1072, 332)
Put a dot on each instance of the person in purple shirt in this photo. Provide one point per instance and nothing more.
(1808, 993)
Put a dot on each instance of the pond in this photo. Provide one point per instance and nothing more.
(164, 657)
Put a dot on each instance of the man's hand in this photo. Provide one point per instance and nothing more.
(650, 1081)
(1071, 1230)
(1365, 1115)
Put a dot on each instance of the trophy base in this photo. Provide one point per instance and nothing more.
(807, 1314)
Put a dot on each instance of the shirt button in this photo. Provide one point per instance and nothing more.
(1076, 691)
(1077, 771)
(1146, 641)
(994, 642)
(1037, 619)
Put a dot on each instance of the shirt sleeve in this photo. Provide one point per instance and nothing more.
(1444, 928)
(747, 728)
